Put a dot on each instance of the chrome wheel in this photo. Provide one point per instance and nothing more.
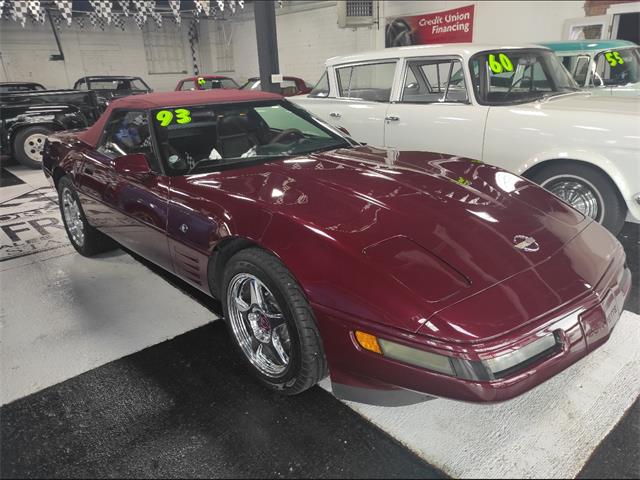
(258, 324)
(33, 146)
(73, 217)
(579, 193)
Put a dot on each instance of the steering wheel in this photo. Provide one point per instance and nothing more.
(516, 83)
(287, 133)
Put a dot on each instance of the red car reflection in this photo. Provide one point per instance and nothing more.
(403, 274)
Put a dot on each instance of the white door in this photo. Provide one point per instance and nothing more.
(356, 100)
(434, 111)
(587, 28)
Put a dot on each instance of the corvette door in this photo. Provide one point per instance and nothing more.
(434, 111)
(137, 204)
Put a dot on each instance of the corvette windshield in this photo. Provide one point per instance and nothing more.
(511, 76)
(207, 137)
(617, 67)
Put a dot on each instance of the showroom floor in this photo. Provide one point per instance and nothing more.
(108, 369)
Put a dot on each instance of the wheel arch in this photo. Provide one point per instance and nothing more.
(611, 174)
(222, 252)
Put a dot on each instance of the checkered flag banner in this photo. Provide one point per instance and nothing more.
(124, 5)
(193, 41)
(1, 7)
(64, 6)
(80, 21)
(202, 6)
(175, 9)
(19, 11)
(118, 21)
(141, 14)
(96, 20)
(36, 10)
(240, 3)
(102, 9)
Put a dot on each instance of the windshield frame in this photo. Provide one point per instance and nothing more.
(532, 50)
(240, 162)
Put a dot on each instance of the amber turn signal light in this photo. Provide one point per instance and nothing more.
(368, 342)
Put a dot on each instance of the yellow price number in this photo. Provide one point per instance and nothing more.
(614, 58)
(462, 181)
(181, 115)
(501, 63)
(202, 82)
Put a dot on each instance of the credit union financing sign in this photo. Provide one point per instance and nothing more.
(451, 26)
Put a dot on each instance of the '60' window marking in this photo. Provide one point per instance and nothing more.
(503, 65)
(614, 58)
(181, 115)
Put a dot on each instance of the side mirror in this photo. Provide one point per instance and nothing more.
(133, 164)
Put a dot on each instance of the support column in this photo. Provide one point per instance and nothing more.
(265, 17)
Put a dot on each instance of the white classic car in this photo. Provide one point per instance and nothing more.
(606, 67)
(514, 107)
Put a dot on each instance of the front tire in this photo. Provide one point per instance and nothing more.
(587, 190)
(28, 144)
(271, 322)
(85, 239)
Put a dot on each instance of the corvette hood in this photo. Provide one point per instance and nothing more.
(467, 214)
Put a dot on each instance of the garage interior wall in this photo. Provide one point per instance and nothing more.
(308, 34)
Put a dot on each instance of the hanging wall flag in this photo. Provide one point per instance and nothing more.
(202, 6)
(96, 20)
(124, 5)
(118, 21)
(240, 3)
(65, 9)
(36, 10)
(141, 14)
(1, 7)
(19, 11)
(232, 5)
(102, 9)
(175, 8)
(221, 5)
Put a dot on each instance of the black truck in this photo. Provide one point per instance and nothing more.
(27, 117)
(109, 87)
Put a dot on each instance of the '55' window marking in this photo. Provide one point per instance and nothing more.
(614, 58)
(165, 117)
(504, 65)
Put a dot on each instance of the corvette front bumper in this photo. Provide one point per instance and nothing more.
(581, 327)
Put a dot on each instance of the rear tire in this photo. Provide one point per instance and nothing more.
(28, 144)
(85, 239)
(587, 190)
(305, 363)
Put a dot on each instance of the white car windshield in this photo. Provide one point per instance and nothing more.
(512, 76)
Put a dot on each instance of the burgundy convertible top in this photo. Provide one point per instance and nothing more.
(91, 136)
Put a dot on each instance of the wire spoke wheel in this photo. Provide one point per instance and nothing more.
(258, 324)
(578, 193)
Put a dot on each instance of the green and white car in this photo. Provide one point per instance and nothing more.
(605, 67)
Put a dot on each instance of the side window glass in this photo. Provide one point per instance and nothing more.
(187, 85)
(430, 81)
(321, 89)
(581, 69)
(367, 82)
(127, 133)
(288, 87)
(82, 86)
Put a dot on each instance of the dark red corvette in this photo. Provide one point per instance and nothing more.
(401, 274)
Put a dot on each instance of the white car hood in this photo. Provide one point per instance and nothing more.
(591, 103)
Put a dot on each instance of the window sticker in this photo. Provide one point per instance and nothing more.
(181, 115)
(614, 58)
(462, 181)
(502, 64)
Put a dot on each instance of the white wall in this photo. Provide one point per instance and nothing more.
(25, 54)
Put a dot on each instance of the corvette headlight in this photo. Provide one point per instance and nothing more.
(485, 370)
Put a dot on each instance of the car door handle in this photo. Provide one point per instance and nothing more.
(335, 115)
(392, 118)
